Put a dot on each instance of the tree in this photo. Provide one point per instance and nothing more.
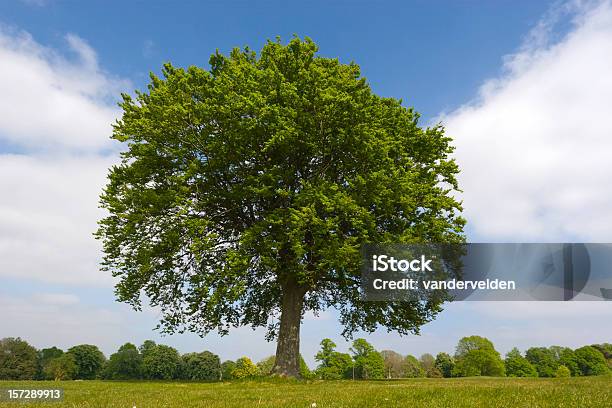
(245, 369)
(518, 366)
(204, 366)
(412, 368)
(606, 350)
(591, 361)
(393, 363)
(44, 356)
(433, 372)
(427, 361)
(562, 372)
(543, 360)
(18, 360)
(227, 368)
(161, 362)
(61, 368)
(445, 364)
(125, 364)
(369, 363)
(332, 364)
(89, 361)
(146, 346)
(568, 358)
(247, 190)
(476, 356)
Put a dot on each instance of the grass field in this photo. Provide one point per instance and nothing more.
(466, 392)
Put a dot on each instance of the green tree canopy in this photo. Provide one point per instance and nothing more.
(227, 368)
(412, 367)
(89, 361)
(543, 359)
(591, 361)
(445, 363)
(518, 366)
(562, 372)
(247, 189)
(204, 366)
(61, 368)
(245, 369)
(333, 365)
(161, 362)
(476, 356)
(18, 360)
(369, 363)
(44, 356)
(125, 364)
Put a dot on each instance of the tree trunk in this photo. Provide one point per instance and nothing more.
(287, 362)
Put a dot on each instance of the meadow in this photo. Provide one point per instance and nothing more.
(460, 392)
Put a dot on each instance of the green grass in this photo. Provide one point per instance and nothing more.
(465, 392)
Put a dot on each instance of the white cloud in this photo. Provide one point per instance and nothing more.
(57, 114)
(51, 102)
(56, 299)
(534, 149)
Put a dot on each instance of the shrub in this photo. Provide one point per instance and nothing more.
(245, 369)
(563, 372)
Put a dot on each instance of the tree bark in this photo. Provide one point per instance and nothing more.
(287, 362)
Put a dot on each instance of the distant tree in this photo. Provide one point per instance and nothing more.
(125, 364)
(146, 346)
(89, 361)
(245, 369)
(606, 350)
(333, 365)
(265, 366)
(479, 363)
(445, 363)
(44, 356)
(204, 366)
(427, 361)
(393, 363)
(246, 190)
(369, 363)
(434, 372)
(591, 361)
(18, 360)
(61, 368)
(411, 368)
(476, 356)
(161, 363)
(543, 360)
(518, 366)
(562, 372)
(227, 368)
(567, 357)
(467, 344)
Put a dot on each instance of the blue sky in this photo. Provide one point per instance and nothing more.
(521, 86)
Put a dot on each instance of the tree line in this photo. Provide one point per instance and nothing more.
(474, 356)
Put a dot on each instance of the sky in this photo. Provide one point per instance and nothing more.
(522, 87)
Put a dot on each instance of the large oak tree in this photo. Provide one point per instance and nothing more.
(246, 190)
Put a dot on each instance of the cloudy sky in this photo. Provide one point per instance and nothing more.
(525, 90)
